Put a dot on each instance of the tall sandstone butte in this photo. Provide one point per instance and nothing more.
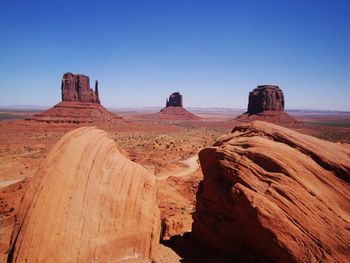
(87, 203)
(77, 88)
(266, 103)
(274, 191)
(175, 100)
(79, 105)
(173, 110)
(265, 98)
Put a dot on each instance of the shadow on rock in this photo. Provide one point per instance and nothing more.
(191, 251)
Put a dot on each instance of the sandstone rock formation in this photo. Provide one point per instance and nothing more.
(87, 203)
(78, 113)
(265, 98)
(282, 194)
(266, 102)
(176, 113)
(175, 100)
(80, 104)
(77, 88)
(174, 109)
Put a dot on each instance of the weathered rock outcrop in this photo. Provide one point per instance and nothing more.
(175, 100)
(87, 203)
(266, 103)
(77, 88)
(282, 194)
(80, 104)
(265, 98)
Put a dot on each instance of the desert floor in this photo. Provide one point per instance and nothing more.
(167, 148)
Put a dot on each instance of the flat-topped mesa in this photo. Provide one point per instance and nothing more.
(265, 98)
(77, 88)
(175, 100)
(266, 103)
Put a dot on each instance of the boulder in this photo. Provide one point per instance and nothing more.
(87, 203)
(282, 195)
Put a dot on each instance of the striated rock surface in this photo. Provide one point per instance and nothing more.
(266, 103)
(80, 104)
(87, 203)
(77, 88)
(279, 193)
(175, 100)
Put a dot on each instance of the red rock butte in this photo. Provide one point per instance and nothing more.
(280, 194)
(175, 99)
(174, 109)
(80, 104)
(266, 102)
(77, 88)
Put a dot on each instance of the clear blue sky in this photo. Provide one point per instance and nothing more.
(213, 52)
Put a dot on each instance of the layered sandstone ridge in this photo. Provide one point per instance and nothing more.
(279, 193)
(87, 203)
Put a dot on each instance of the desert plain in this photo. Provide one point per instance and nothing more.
(167, 148)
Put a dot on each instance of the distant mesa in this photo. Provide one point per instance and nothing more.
(80, 104)
(274, 195)
(175, 100)
(266, 102)
(174, 109)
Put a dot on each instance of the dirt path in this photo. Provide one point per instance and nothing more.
(191, 163)
(4, 183)
(192, 166)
